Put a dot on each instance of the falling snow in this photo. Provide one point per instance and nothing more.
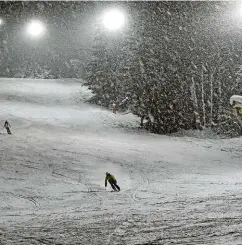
(149, 91)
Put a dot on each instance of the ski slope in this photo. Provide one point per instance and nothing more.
(174, 190)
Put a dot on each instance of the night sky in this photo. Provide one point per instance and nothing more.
(70, 30)
(71, 26)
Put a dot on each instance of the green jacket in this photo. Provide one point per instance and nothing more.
(109, 178)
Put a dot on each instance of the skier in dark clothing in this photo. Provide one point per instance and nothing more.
(114, 108)
(112, 181)
(7, 126)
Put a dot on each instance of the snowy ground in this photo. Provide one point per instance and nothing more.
(175, 190)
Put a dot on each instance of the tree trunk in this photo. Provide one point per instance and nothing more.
(211, 100)
(194, 100)
(203, 103)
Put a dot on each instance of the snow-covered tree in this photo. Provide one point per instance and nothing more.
(173, 69)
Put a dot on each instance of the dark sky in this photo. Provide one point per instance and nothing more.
(71, 25)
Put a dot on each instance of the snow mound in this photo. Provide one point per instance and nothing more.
(207, 133)
(236, 99)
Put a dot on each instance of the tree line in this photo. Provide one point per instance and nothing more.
(174, 66)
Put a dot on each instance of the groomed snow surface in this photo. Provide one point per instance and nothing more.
(174, 190)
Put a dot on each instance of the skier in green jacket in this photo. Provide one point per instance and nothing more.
(112, 181)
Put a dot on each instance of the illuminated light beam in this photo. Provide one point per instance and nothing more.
(35, 28)
(113, 19)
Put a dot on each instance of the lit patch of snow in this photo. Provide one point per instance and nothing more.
(173, 189)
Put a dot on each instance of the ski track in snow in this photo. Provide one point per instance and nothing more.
(174, 190)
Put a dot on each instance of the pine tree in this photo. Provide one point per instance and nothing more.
(169, 69)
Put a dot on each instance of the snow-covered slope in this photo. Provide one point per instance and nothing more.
(173, 190)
